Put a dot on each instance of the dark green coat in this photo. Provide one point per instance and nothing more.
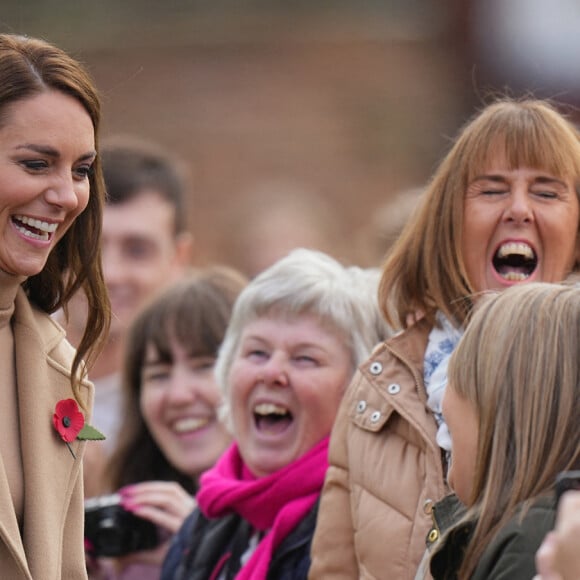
(511, 553)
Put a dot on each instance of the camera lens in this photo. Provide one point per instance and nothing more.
(111, 531)
(109, 538)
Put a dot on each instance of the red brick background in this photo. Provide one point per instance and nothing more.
(350, 105)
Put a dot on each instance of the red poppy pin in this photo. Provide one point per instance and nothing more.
(69, 423)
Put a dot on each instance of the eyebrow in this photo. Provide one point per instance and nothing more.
(542, 179)
(498, 178)
(303, 344)
(52, 152)
(157, 361)
(166, 358)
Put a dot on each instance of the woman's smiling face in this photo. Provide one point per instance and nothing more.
(179, 401)
(47, 147)
(518, 225)
(286, 383)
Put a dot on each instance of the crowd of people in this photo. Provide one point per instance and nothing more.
(319, 420)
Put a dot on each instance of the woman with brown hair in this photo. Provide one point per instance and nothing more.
(501, 209)
(51, 200)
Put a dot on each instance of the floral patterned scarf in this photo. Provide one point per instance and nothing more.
(442, 342)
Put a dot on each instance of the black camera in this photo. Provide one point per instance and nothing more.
(112, 531)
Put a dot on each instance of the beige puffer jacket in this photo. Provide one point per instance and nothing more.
(386, 469)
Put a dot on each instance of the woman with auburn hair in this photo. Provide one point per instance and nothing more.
(513, 411)
(501, 209)
(51, 201)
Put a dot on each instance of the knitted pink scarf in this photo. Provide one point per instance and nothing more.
(276, 502)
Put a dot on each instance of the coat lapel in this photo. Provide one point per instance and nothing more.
(50, 470)
(9, 530)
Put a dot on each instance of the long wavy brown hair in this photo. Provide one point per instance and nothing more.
(28, 67)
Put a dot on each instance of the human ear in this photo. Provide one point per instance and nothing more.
(184, 243)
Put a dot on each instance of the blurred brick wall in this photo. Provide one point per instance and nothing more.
(355, 106)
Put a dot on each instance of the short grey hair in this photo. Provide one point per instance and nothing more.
(344, 299)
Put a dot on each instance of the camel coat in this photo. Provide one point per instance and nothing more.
(386, 469)
(51, 544)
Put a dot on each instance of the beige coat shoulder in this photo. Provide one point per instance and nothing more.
(384, 466)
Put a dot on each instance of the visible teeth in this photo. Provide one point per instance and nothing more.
(44, 229)
(39, 225)
(518, 248)
(269, 409)
(190, 424)
(33, 235)
(514, 276)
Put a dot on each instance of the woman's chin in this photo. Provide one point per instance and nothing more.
(267, 462)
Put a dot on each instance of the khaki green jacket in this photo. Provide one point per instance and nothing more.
(509, 556)
(51, 546)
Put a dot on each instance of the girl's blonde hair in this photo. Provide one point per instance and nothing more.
(425, 270)
(517, 364)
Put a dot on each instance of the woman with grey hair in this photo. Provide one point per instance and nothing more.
(297, 333)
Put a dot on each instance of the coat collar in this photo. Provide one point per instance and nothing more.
(410, 344)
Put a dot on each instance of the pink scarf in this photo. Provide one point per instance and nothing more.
(276, 502)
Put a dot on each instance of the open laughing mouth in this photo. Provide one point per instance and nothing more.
(272, 418)
(515, 261)
(33, 228)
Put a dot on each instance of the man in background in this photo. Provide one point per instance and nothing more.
(145, 246)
